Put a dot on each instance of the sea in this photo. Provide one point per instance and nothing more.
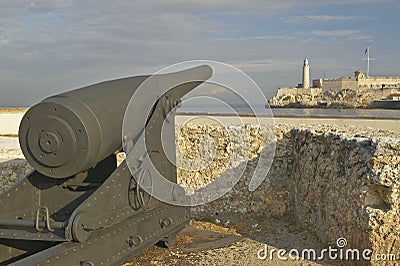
(292, 112)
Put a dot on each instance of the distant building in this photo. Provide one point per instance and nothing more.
(359, 90)
(306, 74)
(301, 88)
(359, 81)
(394, 97)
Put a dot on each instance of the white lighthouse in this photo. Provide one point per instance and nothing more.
(306, 74)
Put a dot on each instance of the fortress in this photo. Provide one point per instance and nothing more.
(357, 91)
(359, 81)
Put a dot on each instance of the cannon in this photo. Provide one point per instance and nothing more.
(78, 207)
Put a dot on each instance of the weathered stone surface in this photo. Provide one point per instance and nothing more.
(335, 181)
(11, 171)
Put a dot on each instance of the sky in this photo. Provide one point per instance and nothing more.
(52, 46)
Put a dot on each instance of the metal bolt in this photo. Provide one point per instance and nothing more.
(165, 222)
(134, 241)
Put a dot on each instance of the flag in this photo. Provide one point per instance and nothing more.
(366, 50)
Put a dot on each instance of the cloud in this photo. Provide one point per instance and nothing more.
(320, 19)
(49, 46)
(254, 38)
(343, 34)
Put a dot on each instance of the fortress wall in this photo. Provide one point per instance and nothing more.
(377, 82)
(349, 84)
(353, 84)
(316, 91)
(304, 90)
(296, 91)
(339, 84)
(334, 84)
(335, 181)
(286, 91)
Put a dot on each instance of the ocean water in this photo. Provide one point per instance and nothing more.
(292, 112)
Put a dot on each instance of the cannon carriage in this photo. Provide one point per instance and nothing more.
(78, 207)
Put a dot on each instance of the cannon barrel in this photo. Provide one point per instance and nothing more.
(71, 132)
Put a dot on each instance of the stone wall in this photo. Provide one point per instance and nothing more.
(334, 181)
(347, 186)
(11, 171)
(377, 82)
(297, 91)
(339, 84)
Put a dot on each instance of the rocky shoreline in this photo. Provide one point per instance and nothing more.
(318, 98)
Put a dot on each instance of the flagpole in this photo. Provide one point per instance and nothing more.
(368, 59)
(368, 62)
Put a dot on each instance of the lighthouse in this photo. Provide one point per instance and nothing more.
(306, 74)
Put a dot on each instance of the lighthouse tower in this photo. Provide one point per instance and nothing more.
(306, 74)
